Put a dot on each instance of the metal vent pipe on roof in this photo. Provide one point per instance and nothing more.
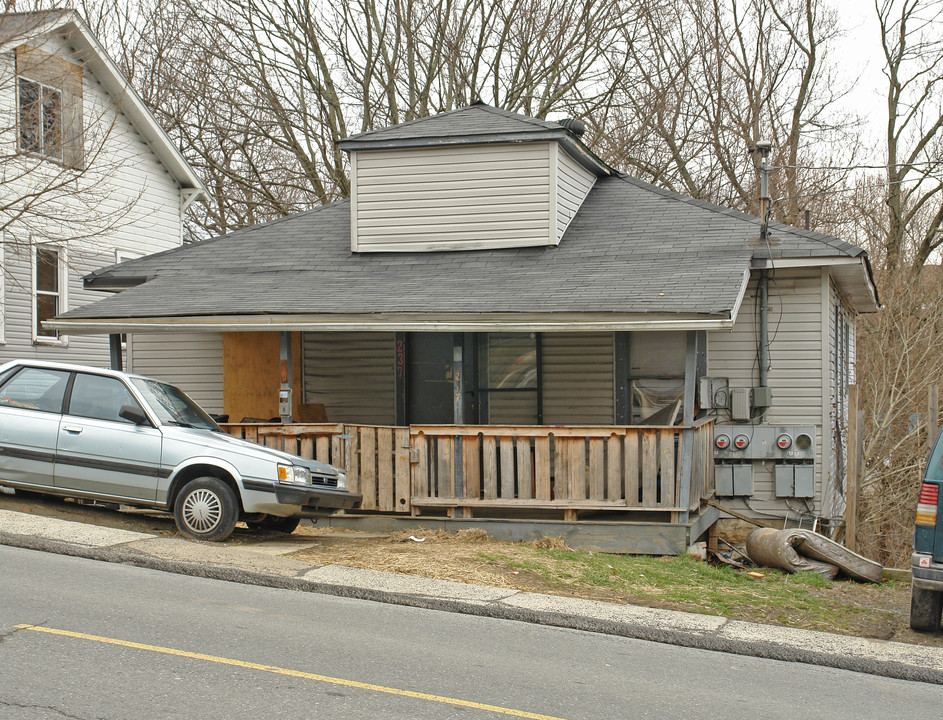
(575, 126)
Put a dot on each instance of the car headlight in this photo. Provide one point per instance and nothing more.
(294, 474)
(341, 480)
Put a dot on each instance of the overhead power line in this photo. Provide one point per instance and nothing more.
(929, 164)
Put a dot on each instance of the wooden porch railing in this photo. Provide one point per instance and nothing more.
(406, 469)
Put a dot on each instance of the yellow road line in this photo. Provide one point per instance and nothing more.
(292, 673)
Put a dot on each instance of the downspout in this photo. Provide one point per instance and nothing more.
(764, 328)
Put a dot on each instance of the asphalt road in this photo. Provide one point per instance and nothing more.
(84, 639)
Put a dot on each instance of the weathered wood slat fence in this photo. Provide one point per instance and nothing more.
(407, 469)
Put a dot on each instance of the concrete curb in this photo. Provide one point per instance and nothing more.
(704, 632)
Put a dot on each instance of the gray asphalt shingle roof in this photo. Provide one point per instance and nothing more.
(464, 124)
(631, 248)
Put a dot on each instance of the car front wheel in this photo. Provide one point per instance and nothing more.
(925, 609)
(206, 509)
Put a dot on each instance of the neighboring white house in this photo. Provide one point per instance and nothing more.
(88, 179)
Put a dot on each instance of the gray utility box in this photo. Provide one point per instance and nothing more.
(761, 442)
(794, 480)
(734, 479)
(789, 448)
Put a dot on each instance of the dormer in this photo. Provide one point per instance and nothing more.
(477, 178)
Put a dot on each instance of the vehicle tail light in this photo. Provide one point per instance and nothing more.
(927, 503)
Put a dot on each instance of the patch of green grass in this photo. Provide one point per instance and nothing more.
(687, 583)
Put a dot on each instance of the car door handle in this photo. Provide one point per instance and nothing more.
(72, 429)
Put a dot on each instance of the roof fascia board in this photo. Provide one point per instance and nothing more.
(575, 149)
(131, 104)
(782, 263)
(735, 311)
(860, 261)
(379, 323)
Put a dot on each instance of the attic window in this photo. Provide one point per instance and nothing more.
(50, 107)
(40, 119)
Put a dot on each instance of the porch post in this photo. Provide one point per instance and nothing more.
(687, 435)
(458, 383)
(114, 345)
(458, 416)
(285, 390)
(623, 397)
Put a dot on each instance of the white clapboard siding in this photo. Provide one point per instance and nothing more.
(191, 361)
(18, 310)
(573, 185)
(797, 373)
(841, 321)
(578, 378)
(351, 375)
(455, 198)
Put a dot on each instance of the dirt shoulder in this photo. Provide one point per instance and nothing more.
(548, 566)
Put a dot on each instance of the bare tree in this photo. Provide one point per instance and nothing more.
(258, 93)
(713, 77)
(898, 360)
(912, 41)
(55, 161)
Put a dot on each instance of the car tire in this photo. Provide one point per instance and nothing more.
(285, 525)
(206, 509)
(925, 609)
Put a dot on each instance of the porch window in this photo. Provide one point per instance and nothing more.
(656, 372)
(508, 378)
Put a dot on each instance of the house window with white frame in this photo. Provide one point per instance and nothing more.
(49, 290)
(40, 114)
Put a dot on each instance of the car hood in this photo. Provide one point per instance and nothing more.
(229, 443)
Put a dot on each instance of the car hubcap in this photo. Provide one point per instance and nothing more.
(202, 510)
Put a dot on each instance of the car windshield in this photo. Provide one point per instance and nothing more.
(172, 405)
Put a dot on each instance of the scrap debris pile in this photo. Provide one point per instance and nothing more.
(797, 550)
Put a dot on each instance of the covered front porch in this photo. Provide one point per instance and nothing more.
(620, 489)
(591, 436)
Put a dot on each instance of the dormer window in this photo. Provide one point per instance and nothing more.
(40, 119)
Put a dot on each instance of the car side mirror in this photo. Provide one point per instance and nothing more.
(133, 414)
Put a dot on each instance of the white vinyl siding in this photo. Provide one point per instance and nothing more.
(191, 361)
(133, 197)
(457, 198)
(352, 375)
(18, 269)
(578, 378)
(797, 373)
(840, 374)
(573, 185)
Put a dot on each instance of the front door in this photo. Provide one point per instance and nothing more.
(430, 388)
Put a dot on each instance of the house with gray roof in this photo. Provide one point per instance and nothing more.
(498, 326)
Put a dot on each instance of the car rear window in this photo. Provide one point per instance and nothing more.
(35, 389)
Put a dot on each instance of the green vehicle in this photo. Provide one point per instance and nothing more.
(926, 562)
